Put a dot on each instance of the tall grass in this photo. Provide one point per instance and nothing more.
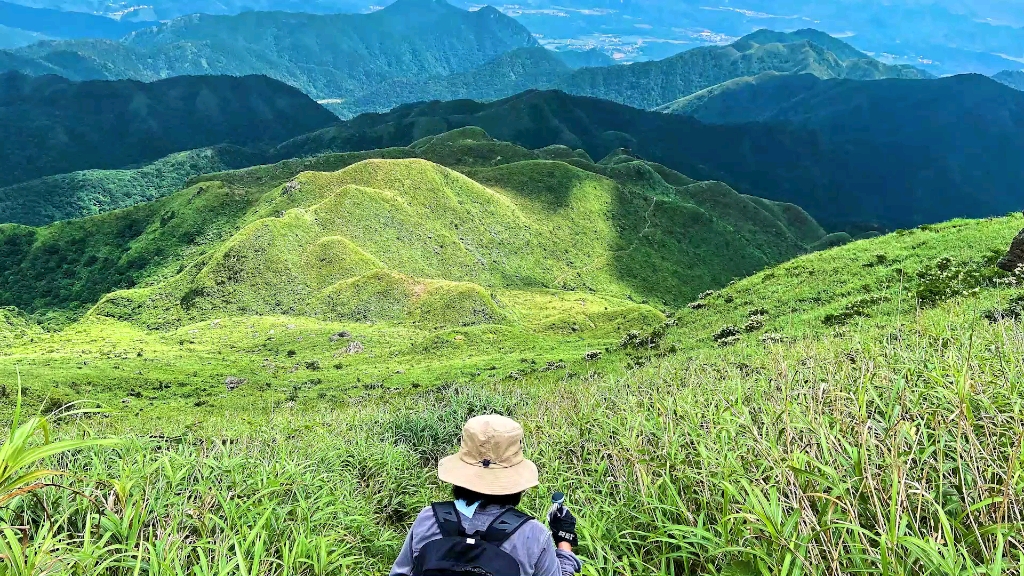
(893, 452)
(25, 548)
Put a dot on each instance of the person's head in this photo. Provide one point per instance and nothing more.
(471, 496)
(489, 467)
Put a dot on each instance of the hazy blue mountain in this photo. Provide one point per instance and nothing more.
(153, 10)
(642, 85)
(884, 154)
(53, 23)
(1012, 78)
(50, 125)
(841, 49)
(326, 56)
(651, 84)
(15, 37)
(508, 74)
(592, 58)
(945, 37)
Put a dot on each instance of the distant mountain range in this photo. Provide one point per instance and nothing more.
(329, 57)
(942, 36)
(861, 155)
(651, 84)
(153, 10)
(1012, 78)
(43, 23)
(50, 125)
(420, 50)
(16, 37)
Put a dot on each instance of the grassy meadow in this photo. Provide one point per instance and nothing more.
(856, 410)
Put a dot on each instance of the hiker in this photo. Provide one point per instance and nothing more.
(481, 532)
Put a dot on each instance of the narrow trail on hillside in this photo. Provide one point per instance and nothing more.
(594, 264)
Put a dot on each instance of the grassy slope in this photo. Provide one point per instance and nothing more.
(163, 237)
(887, 443)
(521, 260)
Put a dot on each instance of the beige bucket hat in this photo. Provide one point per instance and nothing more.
(491, 459)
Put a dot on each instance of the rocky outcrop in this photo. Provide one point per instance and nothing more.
(1014, 259)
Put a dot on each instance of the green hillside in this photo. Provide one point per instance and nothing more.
(519, 254)
(592, 58)
(66, 196)
(328, 56)
(50, 125)
(508, 74)
(862, 416)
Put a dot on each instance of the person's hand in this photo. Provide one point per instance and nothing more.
(563, 528)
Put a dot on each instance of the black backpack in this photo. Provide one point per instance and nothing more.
(457, 553)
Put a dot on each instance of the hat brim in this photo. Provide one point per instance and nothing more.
(492, 481)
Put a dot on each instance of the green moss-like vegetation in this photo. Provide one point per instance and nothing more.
(266, 240)
(379, 269)
(864, 417)
(78, 194)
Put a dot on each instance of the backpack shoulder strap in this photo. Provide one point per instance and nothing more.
(505, 525)
(447, 517)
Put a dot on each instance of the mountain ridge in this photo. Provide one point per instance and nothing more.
(635, 213)
(1012, 78)
(928, 178)
(442, 53)
(50, 125)
(325, 55)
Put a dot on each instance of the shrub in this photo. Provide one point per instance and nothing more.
(948, 278)
(754, 324)
(1013, 311)
(859, 308)
(727, 335)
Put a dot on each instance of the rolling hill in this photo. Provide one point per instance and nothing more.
(640, 214)
(327, 56)
(899, 160)
(382, 266)
(50, 125)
